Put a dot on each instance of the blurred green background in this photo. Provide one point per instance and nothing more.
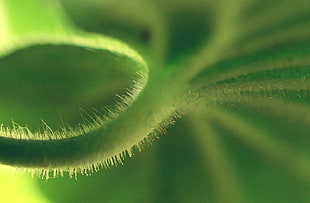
(180, 166)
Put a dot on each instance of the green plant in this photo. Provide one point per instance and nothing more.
(245, 70)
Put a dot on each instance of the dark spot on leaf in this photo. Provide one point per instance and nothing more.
(145, 35)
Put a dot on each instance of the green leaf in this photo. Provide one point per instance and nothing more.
(239, 72)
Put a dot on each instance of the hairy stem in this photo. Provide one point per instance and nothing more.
(101, 142)
(107, 144)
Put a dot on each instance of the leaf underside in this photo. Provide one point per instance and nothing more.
(251, 100)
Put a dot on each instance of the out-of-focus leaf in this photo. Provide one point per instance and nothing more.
(253, 97)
